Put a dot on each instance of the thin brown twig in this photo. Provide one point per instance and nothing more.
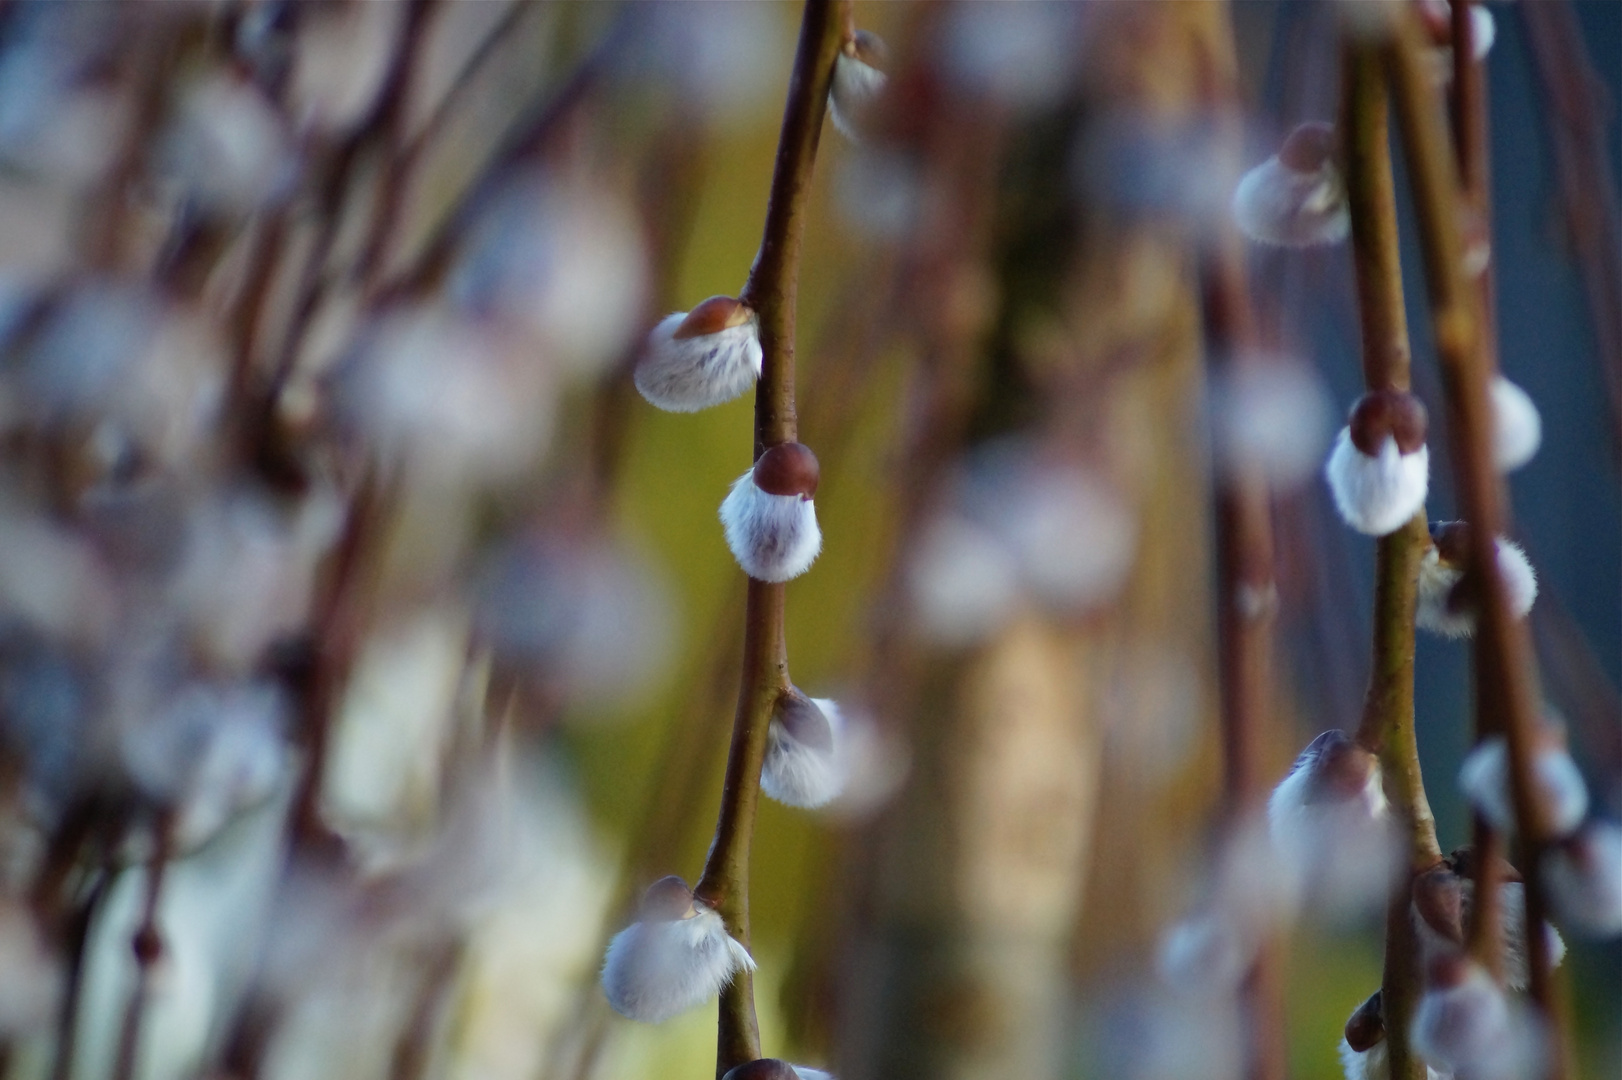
(147, 945)
(1505, 676)
(771, 292)
(1577, 126)
(1247, 594)
(1387, 724)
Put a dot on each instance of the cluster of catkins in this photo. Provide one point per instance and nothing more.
(678, 954)
(1379, 468)
(1328, 814)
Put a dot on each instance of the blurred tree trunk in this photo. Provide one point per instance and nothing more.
(965, 967)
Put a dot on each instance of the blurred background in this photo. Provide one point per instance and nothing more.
(367, 644)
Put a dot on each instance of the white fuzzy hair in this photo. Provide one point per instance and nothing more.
(655, 970)
(1275, 204)
(1511, 934)
(1375, 1063)
(1377, 495)
(1342, 850)
(1457, 1026)
(805, 1072)
(1517, 427)
(1484, 778)
(1436, 581)
(689, 374)
(856, 87)
(799, 775)
(1587, 891)
(773, 537)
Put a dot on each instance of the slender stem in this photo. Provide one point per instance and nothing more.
(1247, 596)
(148, 946)
(771, 292)
(1577, 122)
(1387, 724)
(1506, 694)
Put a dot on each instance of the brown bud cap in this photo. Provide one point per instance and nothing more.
(1379, 413)
(666, 900)
(870, 49)
(804, 722)
(1439, 900)
(1437, 22)
(1341, 768)
(712, 316)
(1463, 862)
(1452, 540)
(148, 945)
(1309, 147)
(1366, 1028)
(787, 469)
(763, 1069)
(1447, 970)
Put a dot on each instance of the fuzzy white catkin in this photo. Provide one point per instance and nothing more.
(856, 87)
(689, 374)
(1342, 849)
(773, 537)
(1458, 1026)
(1484, 779)
(1437, 579)
(1377, 495)
(1584, 879)
(803, 776)
(1375, 1063)
(1517, 426)
(655, 970)
(963, 581)
(1517, 963)
(1275, 204)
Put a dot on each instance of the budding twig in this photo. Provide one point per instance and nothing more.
(1387, 725)
(1247, 597)
(1504, 675)
(771, 292)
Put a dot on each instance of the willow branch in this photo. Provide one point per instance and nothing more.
(1506, 696)
(771, 291)
(148, 945)
(1387, 724)
(1247, 597)
(1577, 125)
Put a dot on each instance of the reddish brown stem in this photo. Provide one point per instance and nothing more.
(771, 292)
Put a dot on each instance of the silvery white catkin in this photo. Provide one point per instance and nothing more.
(774, 1069)
(1375, 1063)
(1584, 879)
(1437, 578)
(858, 81)
(659, 967)
(1484, 778)
(1377, 495)
(1517, 963)
(1443, 900)
(1462, 1018)
(1517, 426)
(683, 370)
(769, 517)
(1295, 198)
(1329, 820)
(805, 768)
